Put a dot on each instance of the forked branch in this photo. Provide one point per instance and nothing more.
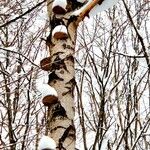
(87, 8)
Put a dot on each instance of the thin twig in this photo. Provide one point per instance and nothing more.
(25, 13)
(20, 54)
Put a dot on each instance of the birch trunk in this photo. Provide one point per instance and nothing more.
(62, 78)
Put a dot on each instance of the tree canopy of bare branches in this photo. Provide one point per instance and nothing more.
(112, 76)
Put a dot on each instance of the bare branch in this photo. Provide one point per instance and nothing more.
(87, 9)
(25, 13)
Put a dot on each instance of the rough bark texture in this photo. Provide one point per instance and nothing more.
(62, 78)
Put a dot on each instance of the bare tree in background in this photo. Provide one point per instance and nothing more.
(112, 88)
(113, 79)
(20, 44)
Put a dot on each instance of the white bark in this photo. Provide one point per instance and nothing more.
(62, 78)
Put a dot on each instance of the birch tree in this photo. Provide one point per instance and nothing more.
(65, 17)
(110, 54)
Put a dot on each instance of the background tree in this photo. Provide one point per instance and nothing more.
(112, 75)
(21, 111)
